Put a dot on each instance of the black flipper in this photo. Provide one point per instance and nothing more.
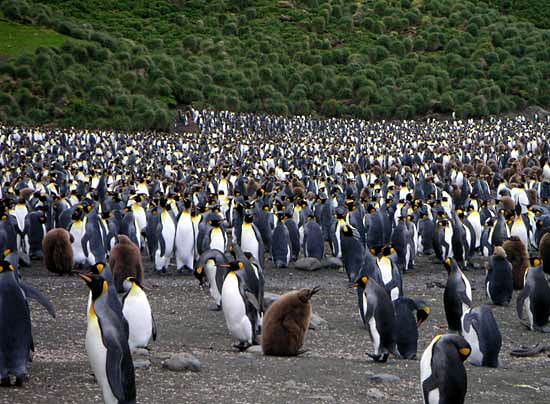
(35, 294)
(521, 298)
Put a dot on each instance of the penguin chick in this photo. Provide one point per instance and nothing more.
(535, 296)
(516, 252)
(286, 323)
(58, 252)
(125, 261)
(499, 283)
(442, 374)
(544, 253)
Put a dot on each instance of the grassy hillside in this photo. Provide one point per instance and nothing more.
(370, 59)
(536, 11)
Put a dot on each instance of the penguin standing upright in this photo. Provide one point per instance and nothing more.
(251, 239)
(280, 243)
(499, 283)
(389, 273)
(535, 298)
(480, 329)
(35, 230)
(137, 311)
(16, 341)
(185, 240)
(107, 346)
(214, 237)
(457, 297)
(240, 306)
(352, 251)
(313, 243)
(166, 234)
(409, 315)
(378, 316)
(77, 229)
(442, 374)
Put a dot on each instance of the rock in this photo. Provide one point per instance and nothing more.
(141, 352)
(317, 322)
(332, 263)
(375, 394)
(269, 298)
(384, 378)
(255, 349)
(163, 355)
(142, 363)
(181, 362)
(308, 264)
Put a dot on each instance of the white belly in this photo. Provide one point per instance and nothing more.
(234, 310)
(210, 268)
(217, 240)
(249, 243)
(137, 312)
(185, 242)
(97, 356)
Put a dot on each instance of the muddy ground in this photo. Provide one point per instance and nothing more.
(334, 370)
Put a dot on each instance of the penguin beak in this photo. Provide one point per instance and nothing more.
(86, 278)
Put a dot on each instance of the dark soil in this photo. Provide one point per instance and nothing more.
(334, 369)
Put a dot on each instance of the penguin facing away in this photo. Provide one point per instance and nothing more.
(58, 252)
(442, 374)
(499, 283)
(480, 329)
(107, 346)
(286, 322)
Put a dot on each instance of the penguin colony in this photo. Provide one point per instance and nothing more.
(250, 190)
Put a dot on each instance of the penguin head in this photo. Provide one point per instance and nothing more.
(129, 283)
(98, 268)
(305, 294)
(96, 283)
(387, 251)
(5, 266)
(422, 312)
(248, 216)
(535, 262)
(236, 266)
(449, 264)
(361, 282)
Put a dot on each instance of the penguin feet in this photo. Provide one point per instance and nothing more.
(5, 382)
(214, 307)
(242, 346)
(19, 380)
(379, 358)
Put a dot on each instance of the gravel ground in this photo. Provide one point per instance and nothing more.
(334, 370)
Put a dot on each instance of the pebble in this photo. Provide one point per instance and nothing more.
(332, 262)
(142, 363)
(141, 352)
(317, 322)
(255, 349)
(181, 362)
(375, 394)
(384, 378)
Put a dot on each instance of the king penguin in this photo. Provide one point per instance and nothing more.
(137, 311)
(442, 374)
(240, 306)
(535, 298)
(185, 240)
(457, 297)
(378, 316)
(107, 346)
(480, 329)
(409, 314)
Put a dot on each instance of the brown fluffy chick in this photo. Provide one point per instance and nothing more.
(286, 322)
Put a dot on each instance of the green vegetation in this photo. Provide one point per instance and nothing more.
(536, 11)
(376, 59)
(18, 39)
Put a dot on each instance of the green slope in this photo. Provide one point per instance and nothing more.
(18, 39)
(370, 59)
